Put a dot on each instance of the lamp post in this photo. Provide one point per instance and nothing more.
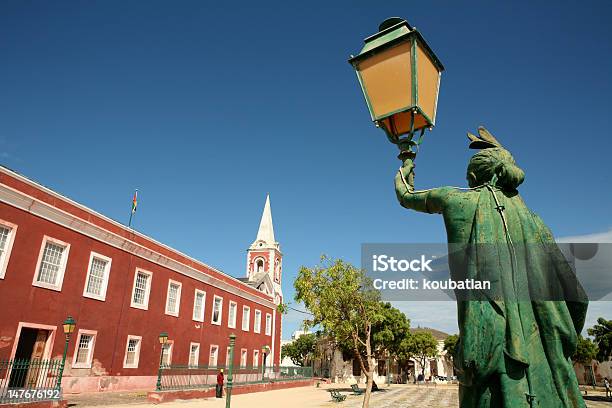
(264, 351)
(230, 378)
(400, 78)
(163, 339)
(68, 326)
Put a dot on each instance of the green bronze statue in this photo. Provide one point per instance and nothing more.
(515, 347)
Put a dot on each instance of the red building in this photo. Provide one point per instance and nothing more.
(60, 258)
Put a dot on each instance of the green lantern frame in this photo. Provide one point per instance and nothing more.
(393, 32)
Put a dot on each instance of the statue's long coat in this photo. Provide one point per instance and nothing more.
(517, 339)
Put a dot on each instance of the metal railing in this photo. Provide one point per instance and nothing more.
(27, 374)
(180, 377)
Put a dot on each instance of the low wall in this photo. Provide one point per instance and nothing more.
(157, 397)
(78, 385)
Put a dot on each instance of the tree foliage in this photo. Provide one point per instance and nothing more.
(387, 334)
(586, 351)
(602, 334)
(390, 331)
(421, 346)
(343, 301)
(300, 350)
(450, 345)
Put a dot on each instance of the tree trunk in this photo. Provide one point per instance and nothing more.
(368, 391)
(423, 362)
(366, 367)
(369, 372)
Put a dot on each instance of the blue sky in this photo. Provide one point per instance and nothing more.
(206, 107)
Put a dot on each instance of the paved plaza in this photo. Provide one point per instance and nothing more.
(440, 396)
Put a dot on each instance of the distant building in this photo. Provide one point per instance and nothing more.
(331, 363)
(587, 374)
(441, 365)
(60, 258)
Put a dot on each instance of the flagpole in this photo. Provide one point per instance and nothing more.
(133, 210)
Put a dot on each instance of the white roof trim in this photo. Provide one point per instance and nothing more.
(41, 209)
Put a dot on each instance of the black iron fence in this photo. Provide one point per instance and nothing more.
(24, 374)
(180, 377)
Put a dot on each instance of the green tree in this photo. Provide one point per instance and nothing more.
(343, 301)
(421, 346)
(450, 345)
(586, 351)
(389, 332)
(300, 350)
(602, 334)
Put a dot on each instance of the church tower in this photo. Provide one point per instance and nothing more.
(264, 258)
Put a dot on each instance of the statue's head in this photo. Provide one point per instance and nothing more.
(492, 163)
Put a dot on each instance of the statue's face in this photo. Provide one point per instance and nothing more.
(471, 179)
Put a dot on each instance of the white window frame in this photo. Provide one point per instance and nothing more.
(170, 345)
(195, 297)
(212, 316)
(62, 267)
(137, 355)
(9, 246)
(244, 352)
(145, 306)
(231, 323)
(255, 358)
(268, 324)
(256, 261)
(248, 318)
(257, 327)
(197, 356)
(216, 355)
(178, 298)
(107, 269)
(87, 364)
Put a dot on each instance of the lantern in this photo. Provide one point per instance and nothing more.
(400, 78)
(163, 338)
(69, 325)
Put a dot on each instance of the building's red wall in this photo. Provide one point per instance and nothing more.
(113, 318)
(65, 205)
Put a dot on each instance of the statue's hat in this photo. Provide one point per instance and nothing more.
(485, 141)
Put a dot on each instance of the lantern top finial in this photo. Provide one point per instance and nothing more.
(390, 22)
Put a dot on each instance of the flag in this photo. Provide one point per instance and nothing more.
(134, 201)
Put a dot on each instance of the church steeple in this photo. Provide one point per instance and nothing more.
(264, 259)
(265, 234)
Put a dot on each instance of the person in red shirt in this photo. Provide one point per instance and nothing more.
(219, 387)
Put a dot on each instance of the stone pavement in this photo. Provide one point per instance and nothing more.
(396, 396)
(409, 396)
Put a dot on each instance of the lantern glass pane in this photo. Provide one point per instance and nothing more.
(387, 80)
(428, 82)
(399, 124)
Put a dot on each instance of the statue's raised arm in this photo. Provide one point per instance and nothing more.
(429, 201)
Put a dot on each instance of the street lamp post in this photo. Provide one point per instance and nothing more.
(400, 78)
(264, 351)
(68, 326)
(230, 378)
(163, 339)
